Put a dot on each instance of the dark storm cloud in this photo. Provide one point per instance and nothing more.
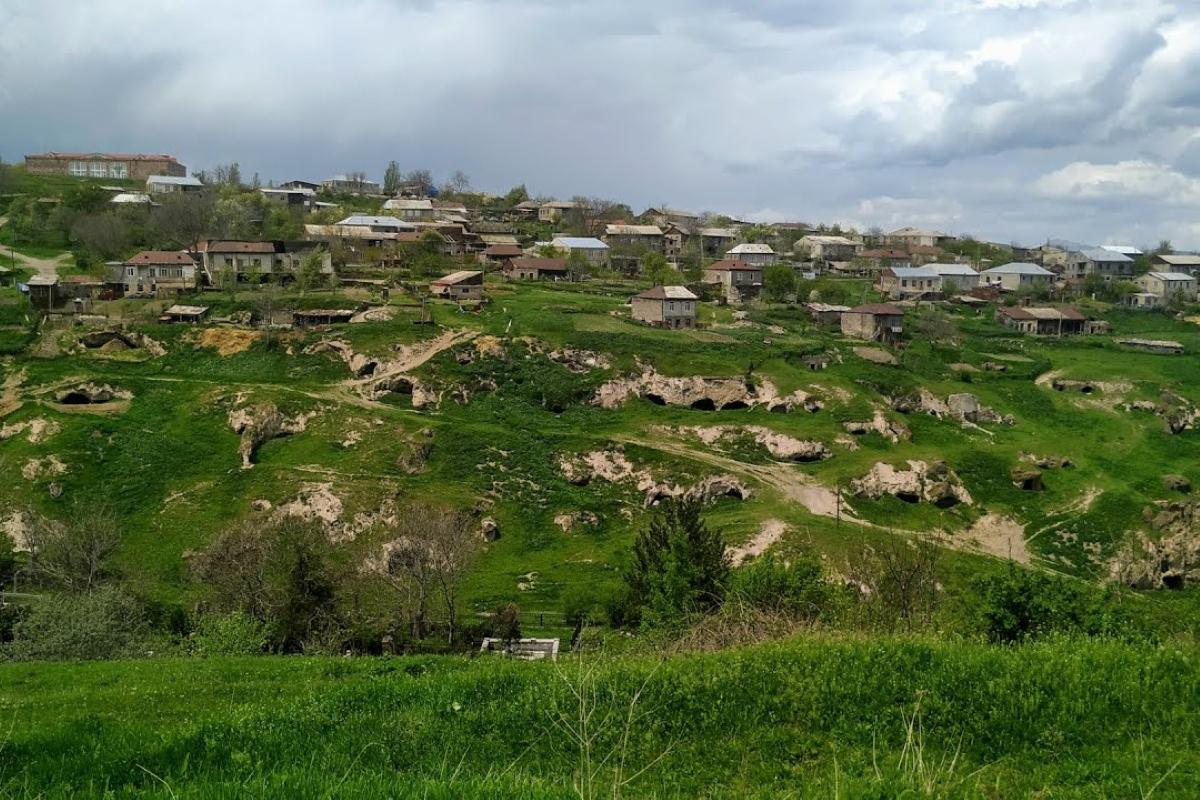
(998, 117)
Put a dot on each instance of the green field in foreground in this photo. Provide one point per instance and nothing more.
(815, 717)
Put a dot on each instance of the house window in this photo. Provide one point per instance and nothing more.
(131, 271)
(118, 169)
(98, 169)
(79, 169)
(228, 261)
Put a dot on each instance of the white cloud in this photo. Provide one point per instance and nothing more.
(1128, 180)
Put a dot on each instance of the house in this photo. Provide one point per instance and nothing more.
(1154, 345)
(828, 248)
(1082, 264)
(345, 184)
(643, 238)
(449, 209)
(312, 187)
(499, 254)
(715, 241)
(154, 271)
(1179, 262)
(826, 313)
(909, 237)
(955, 278)
(192, 315)
(919, 254)
(489, 239)
(674, 239)
(553, 210)
(44, 292)
(295, 197)
(522, 649)
(670, 216)
(463, 285)
(738, 280)
(1043, 321)
(904, 283)
(1017, 275)
(666, 307)
(256, 261)
(751, 253)
(527, 208)
(377, 224)
(528, 268)
(592, 249)
(124, 166)
(1168, 286)
(170, 184)
(1142, 300)
(410, 208)
(876, 322)
(884, 257)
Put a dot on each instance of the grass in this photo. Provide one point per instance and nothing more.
(170, 463)
(817, 717)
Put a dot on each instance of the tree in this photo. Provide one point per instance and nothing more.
(779, 282)
(73, 554)
(391, 178)
(420, 182)
(8, 179)
(899, 582)
(432, 549)
(98, 625)
(936, 326)
(227, 174)
(458, 183)
(679, 565)
(106, 235)
(283, 573)
(515, 196)
(86, 197)
(656, 269)
(577, 263)
(181, 219)
(309, 274)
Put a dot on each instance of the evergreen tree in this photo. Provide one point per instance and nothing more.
(679, 565)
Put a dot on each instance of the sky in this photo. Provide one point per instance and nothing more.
(1010, 120)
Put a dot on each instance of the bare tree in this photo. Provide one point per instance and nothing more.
(104, 234)
(74, 553)
(898, 581)
(419, 181)
(428, 557)
(457, 183)
(182, 219)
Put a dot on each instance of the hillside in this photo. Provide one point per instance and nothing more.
(815, 718)
(495, 410)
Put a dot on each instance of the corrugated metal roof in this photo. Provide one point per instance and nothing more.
(1171, 276)
(1018, 268)
(171, 180)
(633, 230)
(913, 272)
(668, 293)
(366, 220)
(961, 270)
(1123, 249)
(1105, 256)
(579, 243)
(754, 248)
(457, 277)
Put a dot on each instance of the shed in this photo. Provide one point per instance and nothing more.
(181, 313)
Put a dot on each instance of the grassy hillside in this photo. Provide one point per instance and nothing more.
(815, 718)
(167, 461)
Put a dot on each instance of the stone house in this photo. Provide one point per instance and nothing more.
(592, 249)
(463, 285)
(666, 307)
(1168, 285)
(1082, 264)
(256, 261)
(751, 253)
(828, 248)
(1043, 321)
(876, 322)
(738, 280)
(529, 268)
(121, 166)
(1017, 275)
(155, 271)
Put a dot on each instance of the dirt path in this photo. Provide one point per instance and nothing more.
(783, 478)
(46, 267)
(770, 532)
(10, 393)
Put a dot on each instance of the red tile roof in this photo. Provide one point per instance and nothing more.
(161, 257)
(543, 264)
(503, 250)
(879, 310)
(236, 247)
(729, 265)
(106, 156)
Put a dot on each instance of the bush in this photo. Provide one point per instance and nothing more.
(1020, 604)
(235, 634)
(795, 588)
(98, 625)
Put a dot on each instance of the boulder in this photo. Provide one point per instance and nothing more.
(1027, 479)
(932, 483)
(1176, 483)
(259, 424)
(489, 529)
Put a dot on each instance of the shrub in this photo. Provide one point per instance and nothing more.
(102, 624)
(1020, 604)
(234, 634)
(794, 587)
(680, 566)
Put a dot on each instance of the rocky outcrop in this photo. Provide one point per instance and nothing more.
(36, 430)
(963, 407)
(1176, 483)
(1048, 462)
(779, 445)
(612, 466)
(1170, 559)
(702, 394)
(893, 431)
(931, 483)
(1178, 413)
(114, 340)
(88, 394)
(1027, 478)
(489, 529)
(567, 522)
(47, 467)
(259, 424)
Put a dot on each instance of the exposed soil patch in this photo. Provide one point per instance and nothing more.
(771, 531)
(37, 430)
(613, 466)
(931, 483)
(875, 355)
(48, 467)
(781, 446)
(893, 431)
(228, 341)
(998, 536)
